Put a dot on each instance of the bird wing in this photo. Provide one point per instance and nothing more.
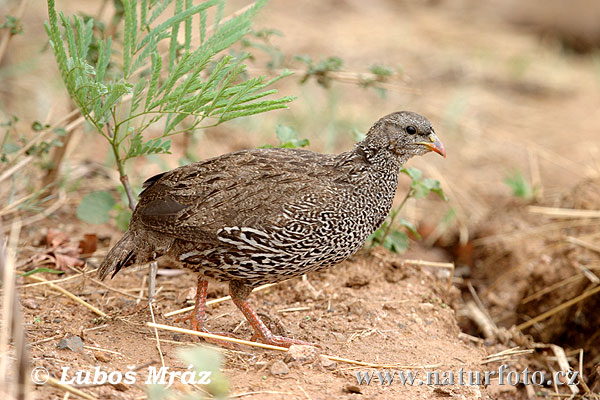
(250, 188)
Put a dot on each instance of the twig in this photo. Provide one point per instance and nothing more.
(583, 243)
(7, 32)
(304, 391)
(162, 360)
(506, 354)
(15, 168)
(45, 340)
(436, 264)
(219, 300)
(124, 293)
(563, 363)
(41, 135)
(69, 295)
(278, 348)
(141, 295)
(58, 280)
(53, 382)
(564, 212)
(101, 349)
(558, 309)
(481, 319)
(58, 155)
(536, 177)
(11, 322)
(293, 309)
(217, 337)
(551, 288)
(481, 305)
(344, 77)
(581, 380)
(62, 197)
(10, 208)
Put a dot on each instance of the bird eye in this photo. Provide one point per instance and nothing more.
(411, 130)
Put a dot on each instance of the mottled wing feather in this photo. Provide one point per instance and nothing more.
(242, 189)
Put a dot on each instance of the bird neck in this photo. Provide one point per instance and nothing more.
(380, 157)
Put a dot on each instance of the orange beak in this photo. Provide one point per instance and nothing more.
(435, 145)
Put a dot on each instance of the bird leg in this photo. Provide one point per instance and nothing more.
(198, 315)
(239, 294)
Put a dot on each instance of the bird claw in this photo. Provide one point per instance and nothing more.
(280, 341)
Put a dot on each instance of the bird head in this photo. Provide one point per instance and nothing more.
(402, 135)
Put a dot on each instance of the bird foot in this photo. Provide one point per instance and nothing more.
(198, 326)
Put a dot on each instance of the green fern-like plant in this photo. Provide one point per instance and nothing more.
(193, 85)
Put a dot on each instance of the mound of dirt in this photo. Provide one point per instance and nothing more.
(526, 264)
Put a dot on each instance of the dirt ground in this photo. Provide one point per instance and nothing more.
(369, 309)
(502, 98)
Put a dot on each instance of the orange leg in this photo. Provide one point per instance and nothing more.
(239, 294)
(198, 315)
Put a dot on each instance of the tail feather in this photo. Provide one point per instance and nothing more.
(121, 255)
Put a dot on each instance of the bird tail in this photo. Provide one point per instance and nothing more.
(121, 255)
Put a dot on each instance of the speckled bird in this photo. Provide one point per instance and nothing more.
(266, 215)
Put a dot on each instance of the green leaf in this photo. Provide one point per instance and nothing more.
(285, 133)
(358, 135)
(207, 359)
(408, 225)
(8, 148)
(38, 126)
(434, 186)
(396, 241)
(419, 190)
(414, 173)
(95, 207)
(520, 187)
(288, 137)
(39, 270)
(381, 71)
(158, 392)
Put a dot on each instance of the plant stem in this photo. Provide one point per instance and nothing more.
(127, 186)
(121, 167)
(388, 228)
(57, 157)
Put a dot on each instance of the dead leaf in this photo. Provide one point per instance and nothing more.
(88, 244)
(62, 252)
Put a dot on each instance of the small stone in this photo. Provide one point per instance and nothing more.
(327, 363)
(121, 387)
(352, 389)
(73, 343)
(357, 280)
(339, 337)
(101, 356)
(357, 308)
(57, 320)
(389, 307)
(301, 353)
(29, 303)
(279, 368)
